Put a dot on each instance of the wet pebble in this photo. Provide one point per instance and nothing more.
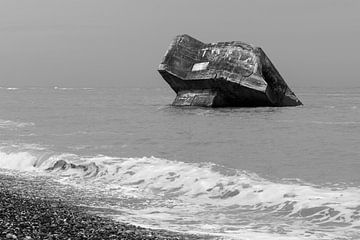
(27, 213)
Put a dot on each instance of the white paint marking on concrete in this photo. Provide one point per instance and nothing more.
(200, 66)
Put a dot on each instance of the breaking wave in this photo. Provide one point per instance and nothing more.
(8, 124)
(202, 197)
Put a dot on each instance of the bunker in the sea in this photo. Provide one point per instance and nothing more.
(224, 74)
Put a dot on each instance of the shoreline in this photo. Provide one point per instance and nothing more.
(27, 212)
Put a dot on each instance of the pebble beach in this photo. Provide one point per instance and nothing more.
(27, 212)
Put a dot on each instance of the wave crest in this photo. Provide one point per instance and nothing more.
(12, 125)
(197, 191)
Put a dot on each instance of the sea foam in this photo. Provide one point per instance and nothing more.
(12, 125)
(201, 197)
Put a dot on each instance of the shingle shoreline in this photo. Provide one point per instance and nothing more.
(24, 215)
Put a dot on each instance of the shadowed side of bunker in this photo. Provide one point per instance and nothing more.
(224, 74)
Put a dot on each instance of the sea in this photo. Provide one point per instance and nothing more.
(233, 173)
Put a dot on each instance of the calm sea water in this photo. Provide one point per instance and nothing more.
(241, 173)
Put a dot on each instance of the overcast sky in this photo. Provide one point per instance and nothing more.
(88, 43)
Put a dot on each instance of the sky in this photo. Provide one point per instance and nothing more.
(120, 43)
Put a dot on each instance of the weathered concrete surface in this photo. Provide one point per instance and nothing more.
(223, 74)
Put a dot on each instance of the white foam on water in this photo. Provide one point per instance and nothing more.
(62, 88)
(201, 197)
(8, 124)
(15, 160)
